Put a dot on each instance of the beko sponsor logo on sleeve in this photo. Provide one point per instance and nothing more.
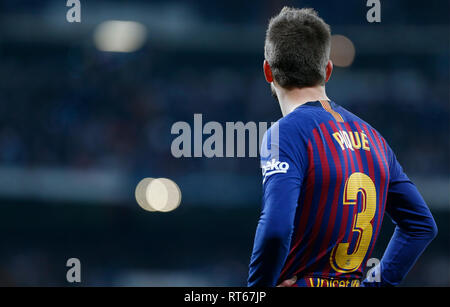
(274, 167)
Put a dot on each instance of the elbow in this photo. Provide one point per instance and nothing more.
(279, 235)
(425, 230)
(433, 229)
(430, 230)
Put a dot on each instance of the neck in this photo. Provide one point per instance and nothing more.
(289, 100)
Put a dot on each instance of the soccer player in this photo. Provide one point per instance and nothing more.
(328, 176)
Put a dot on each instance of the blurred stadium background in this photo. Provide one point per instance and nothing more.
(81, 125)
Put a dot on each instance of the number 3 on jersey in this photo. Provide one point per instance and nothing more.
(357, 183)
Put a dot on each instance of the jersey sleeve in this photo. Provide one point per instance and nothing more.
(415, 226)
(283, 171)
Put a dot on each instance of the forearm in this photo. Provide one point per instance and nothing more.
(415, 229)
(269, 254)
(402, 253)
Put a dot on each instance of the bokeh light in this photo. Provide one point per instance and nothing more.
(159, 194)
(342, 51)
(119, 36)
(141, 194)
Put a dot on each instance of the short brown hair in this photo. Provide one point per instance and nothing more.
(297, 48)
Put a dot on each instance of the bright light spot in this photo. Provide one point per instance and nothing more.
(119, 36)
(170, 194)
(160, 194)
(342, 51)
(141, 194)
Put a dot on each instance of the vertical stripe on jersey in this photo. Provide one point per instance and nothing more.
(382, 168)
(322, 200)
(304, 212)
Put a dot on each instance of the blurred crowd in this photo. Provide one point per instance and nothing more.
(69, 107)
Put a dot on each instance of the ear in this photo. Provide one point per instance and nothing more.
(267, 72)
(329, 70)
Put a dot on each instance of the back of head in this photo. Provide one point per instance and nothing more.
(297, 48)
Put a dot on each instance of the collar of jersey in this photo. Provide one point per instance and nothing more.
(316, 104)
(310, 103)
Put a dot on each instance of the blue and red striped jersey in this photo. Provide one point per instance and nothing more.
(326, 177)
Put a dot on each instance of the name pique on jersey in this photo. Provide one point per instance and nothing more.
(352, 140)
